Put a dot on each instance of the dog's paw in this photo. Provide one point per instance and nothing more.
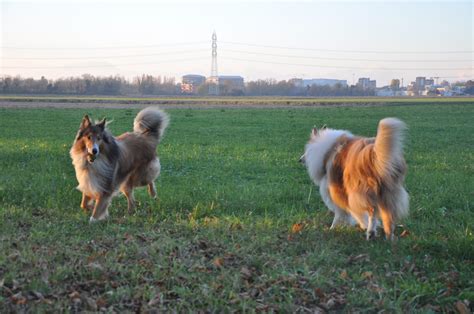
(93, 220)
(391, 238)
(101, 218)
(371, 235)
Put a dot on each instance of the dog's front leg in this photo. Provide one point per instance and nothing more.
(152, 189)
(372, 225)
(86, 203)
(100, 210)
(339, 219)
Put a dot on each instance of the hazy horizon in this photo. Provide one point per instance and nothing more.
(281, 40)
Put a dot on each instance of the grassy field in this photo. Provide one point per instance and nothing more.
(238, 224)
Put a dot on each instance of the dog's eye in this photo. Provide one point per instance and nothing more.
(89, 137)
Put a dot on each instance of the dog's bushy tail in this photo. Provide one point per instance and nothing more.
(390, 164)
(151, 122)
(389, 146)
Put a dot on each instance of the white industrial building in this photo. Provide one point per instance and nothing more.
(318, 82)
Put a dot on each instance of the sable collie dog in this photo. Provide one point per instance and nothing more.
(360, 178)
(106, 164)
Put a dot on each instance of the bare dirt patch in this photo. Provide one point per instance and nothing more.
(217, 105)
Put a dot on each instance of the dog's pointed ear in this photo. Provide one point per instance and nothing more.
(314, 132)
(324, 127)
(101, 124)
(86, 122)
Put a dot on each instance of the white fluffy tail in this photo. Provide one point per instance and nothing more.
(389, 145)
(151, 122)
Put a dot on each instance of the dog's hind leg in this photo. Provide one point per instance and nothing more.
(152, 189)
(388, 223)
(100, 211)
(361, 219)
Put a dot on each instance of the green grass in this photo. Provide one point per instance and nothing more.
(220, 236)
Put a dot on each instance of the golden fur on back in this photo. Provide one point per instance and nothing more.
(361, 177)
(105, 164)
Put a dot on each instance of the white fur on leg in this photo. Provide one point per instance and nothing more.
(101, 217)
(336, 221)
(341, 218)
(372, 227)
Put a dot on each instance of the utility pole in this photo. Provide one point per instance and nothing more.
(214, 79)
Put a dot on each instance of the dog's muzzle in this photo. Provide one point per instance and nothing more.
(91, 158)
(92, 155)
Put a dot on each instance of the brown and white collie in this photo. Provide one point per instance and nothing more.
(106, 164)
(360, 178)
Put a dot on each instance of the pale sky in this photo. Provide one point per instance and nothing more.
(256, 39)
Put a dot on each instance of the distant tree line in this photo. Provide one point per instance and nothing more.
(156, 85)
(90, 85)
(271, 87)
(469, 87)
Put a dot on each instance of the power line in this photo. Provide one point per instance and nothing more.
(350, 51)
(107, 57)
(105, 47)
(341, 59)
(350, 67)
(105, 65)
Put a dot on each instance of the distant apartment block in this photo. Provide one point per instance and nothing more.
(421, 87)
(366, 83)
(421, 82)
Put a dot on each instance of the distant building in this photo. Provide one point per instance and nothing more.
(231, 82)
(389, 91)
(421, 86)
(191, 82)
(385, 92)
(421, 82)
(411, 89)
(318, 82)
(366, 83)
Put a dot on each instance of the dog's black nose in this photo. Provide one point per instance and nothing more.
(94, 150)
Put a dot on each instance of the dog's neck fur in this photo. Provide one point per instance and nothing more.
(319, 149)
